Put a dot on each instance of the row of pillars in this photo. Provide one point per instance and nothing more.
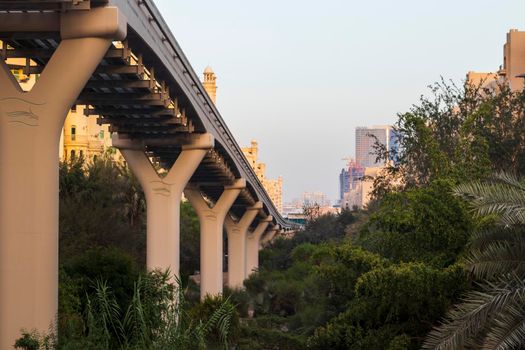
(30, 126)
(163, 197)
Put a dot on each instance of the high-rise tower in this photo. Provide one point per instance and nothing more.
(210, 83)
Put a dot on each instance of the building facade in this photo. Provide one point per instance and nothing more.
(210, 83)
(344, 183)
(365, 139)
(82, 136)
(513, 68)
(274, 187)
(316, 198)
(365, 168)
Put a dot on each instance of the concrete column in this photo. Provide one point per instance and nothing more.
(237, 232)
(211, 227)
(30, 125)
(253, 242)
(270, 235)
(163, 196)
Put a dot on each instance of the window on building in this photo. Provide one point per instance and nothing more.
(16, 73)
(19, 75)
(101, 135)
(73, 154)
(81, 153)
(73, 133)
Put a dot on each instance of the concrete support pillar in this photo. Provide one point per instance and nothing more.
(270, 235)
(237, 232)
(163, 196)
(253, 242)
(30, 125)
(211, 227)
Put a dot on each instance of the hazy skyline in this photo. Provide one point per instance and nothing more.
(299, 76)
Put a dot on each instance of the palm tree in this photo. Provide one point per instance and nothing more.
(492, 317)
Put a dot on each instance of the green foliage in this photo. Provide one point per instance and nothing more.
(428, 224)
(459, 133)
(391, 302)
(28, 341)
(338, 271)
(107, 264)
(503, 195)
(189, 241)
(101, 204)
(491, 317)
(240, 298)
(255, 337)
(408, 292)
(221, 328)
(322, 229)
(381, 289)
(156, 317)
(401, 342)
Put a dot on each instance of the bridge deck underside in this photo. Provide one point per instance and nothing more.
(125, 95)
(134, 92)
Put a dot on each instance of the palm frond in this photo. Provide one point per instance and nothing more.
(467, 321)
(108, 310)
(496, 233)
(507, 330)
(497, 258)
(504, 195)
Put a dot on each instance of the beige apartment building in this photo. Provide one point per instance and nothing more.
(513, 68)
(82, 136)
(274, 188)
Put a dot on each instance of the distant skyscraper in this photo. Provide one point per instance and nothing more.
(365, 139)
(356, 174)
(394, 146)
(344, 183)
(350, 177)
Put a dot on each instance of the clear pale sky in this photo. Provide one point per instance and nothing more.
(300, 75)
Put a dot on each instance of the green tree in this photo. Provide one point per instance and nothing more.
(189, 241)
(101, 204)
(459, 133)
(423, 224)
(491, 317)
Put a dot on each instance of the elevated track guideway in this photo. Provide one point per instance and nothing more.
(119, 58)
